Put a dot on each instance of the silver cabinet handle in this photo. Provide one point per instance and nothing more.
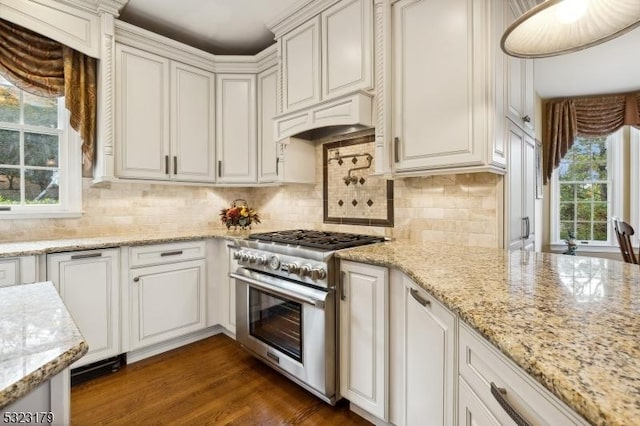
(500, 394)
(85, 256)
(219, 168)
(277, 164)
(419, 299)
(526, 119)
(171, 253)
(528, 227)
(175, 165)
(166, 164)
(5, 209)
(343, 295)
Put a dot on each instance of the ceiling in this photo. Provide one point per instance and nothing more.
(225, 27)
(239, 27)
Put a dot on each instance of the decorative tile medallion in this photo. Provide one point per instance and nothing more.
(347, 166)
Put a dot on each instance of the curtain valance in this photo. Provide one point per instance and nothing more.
(44, 67)
(590, 116)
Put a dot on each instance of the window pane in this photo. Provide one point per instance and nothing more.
(41, 186)
(567, 211)
(39, 111)
(9, 103)
(583, 231)
(40, 150)
(600, 192)
(9, 147)
(600, 211)
(600, 231)
(9, 186)
(565, 228)
(583, 192)
(566, 192)
(584, 211)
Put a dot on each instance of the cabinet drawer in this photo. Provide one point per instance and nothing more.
(165, 253)
(9, 272)
(482, 365)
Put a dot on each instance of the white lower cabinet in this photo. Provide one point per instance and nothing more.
(504, 393)
(89, 285)
(423, 356)
(17, 270)
(167, 301)
(364, 313)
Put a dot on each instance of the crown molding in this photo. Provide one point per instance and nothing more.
(298, 14)
(112, 7)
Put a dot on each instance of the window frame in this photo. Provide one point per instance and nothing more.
(69, 167)
(634, 182)
(614, 195)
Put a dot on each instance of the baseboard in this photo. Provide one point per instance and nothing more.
(140, 354)
(367, 416)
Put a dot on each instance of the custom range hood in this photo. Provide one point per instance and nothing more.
(346, 114)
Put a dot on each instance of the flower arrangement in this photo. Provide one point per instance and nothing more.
(239, 214)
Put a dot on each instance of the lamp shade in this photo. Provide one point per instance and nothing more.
(555, 27)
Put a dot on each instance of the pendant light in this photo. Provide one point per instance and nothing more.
(555, 27)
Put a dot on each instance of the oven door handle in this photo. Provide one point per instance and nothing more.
(278, 291)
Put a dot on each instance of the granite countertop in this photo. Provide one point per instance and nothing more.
(28, 248)
(571, 322)
(38, 338)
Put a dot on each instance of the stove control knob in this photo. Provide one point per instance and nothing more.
(252, 258)
(244, 257)
(305, 270)
(261, 260)
(236, 255)
(274, 263)
(293, 268)
(318, 274)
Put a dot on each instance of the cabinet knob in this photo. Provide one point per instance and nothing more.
(136, 279)
(526, 119)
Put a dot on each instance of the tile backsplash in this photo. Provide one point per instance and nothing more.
(462, 209)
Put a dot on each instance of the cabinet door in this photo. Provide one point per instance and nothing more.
(268, 167)
(88, 284)
(364, 313)
(236, 138)
(439, 77)
(521, 189)
(347, 45)
(228, 298)
(142, 114)
(520, 80)
(9, 272)
(301, 66)
(429, 359)
(167, 301)
(471, 411)
(192, 124)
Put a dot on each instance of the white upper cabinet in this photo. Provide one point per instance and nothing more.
(301, 66)
(347, 47)
(443, 87)
(192, 123)
(328, 56)
(164, 118)
(236, 136)
(142, 114)
(519, 78)
(268, 166)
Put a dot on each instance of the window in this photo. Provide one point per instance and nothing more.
(585, 191)
(37, 166)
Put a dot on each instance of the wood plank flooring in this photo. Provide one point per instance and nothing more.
(214, 381)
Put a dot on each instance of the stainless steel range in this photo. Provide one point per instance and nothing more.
(286, 303)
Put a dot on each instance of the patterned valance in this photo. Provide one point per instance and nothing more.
(44, 67)
(590, 116)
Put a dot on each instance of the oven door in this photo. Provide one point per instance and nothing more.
(290, 326)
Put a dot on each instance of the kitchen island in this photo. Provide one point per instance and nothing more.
(570, 322)
(39, 341)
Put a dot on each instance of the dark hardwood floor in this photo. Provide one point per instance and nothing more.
(214, 381)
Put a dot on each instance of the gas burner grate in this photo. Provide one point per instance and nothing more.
(317, 239)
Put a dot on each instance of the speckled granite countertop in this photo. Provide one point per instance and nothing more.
(573, 323)
(28, 248)
(38, 338)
